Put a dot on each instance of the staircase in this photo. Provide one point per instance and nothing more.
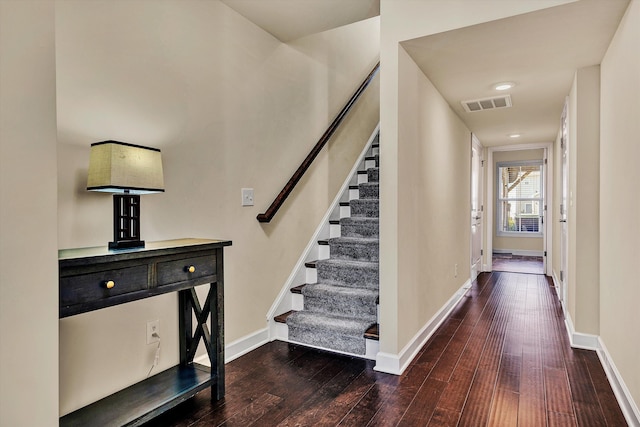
(340, 297)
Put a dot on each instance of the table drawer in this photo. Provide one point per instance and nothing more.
(93, 286)
(177, 271)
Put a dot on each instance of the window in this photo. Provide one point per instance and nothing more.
(519, 198)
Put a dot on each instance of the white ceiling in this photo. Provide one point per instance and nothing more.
(288, 20)
(539, 51)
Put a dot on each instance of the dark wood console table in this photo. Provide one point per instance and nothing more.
(95, 278)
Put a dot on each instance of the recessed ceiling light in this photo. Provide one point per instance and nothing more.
(514, 135)
(504, 85)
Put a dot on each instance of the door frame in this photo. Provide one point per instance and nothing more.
(563, 281)
(548, 200)
(475, 143)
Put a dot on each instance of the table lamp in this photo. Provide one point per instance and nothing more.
(127, 171)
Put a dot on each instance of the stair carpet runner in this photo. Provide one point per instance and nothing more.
(342, 305)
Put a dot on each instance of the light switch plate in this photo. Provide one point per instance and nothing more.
(247, 197)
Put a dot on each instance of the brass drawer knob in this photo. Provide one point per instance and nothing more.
(110, 284)
(191, 269)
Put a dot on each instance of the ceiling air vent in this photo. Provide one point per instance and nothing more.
(503, 101)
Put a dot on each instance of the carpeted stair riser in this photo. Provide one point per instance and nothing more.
(336, 342)
(341, 301)
(369, 190)
(359, 227)
(354, 248)
(364, 207)
(373, 174)
(309, 327)
(348, 273)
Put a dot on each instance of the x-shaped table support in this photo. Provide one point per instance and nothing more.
(189, 340)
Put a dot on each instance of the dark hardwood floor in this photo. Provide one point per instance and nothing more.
(502, 358)
(517, 264)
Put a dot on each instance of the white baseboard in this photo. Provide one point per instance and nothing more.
(556, 284)
(245, 344)
(519, 252)
(239, 347)
(578, 339)
(397, 363)
(623, 395)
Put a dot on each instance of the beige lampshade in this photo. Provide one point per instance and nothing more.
(118, 167)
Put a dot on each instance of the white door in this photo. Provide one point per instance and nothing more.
(564, 240)
(543, 213)
(477, 164)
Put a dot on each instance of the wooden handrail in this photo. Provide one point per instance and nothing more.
(304, 166)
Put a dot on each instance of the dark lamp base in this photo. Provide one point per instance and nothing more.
(126, 244)
(126, 222)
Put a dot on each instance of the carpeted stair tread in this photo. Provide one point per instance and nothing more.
(344, 262)
(315, 289)
(359, 231)
(361, 274)
(341, 301)
(369, 190)
(359, 227)
(354, 248)
(343, 325)
(363, 240)
(346, 334)
(365, 207)
(373, 174)
(370, 222)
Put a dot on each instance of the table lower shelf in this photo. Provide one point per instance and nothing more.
(144, 400)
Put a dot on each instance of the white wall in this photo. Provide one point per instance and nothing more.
(434, 190)
(583, 201)
(230, 106)
(619, 204)
(28, 232)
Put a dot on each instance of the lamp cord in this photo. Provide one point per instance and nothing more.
(156, 358)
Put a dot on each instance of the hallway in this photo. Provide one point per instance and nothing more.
(502, 358)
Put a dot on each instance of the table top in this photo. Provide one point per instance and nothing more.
(101, 251)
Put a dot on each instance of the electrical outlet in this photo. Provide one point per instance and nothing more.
(247, 197)
(455, 270)
(153, 331)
